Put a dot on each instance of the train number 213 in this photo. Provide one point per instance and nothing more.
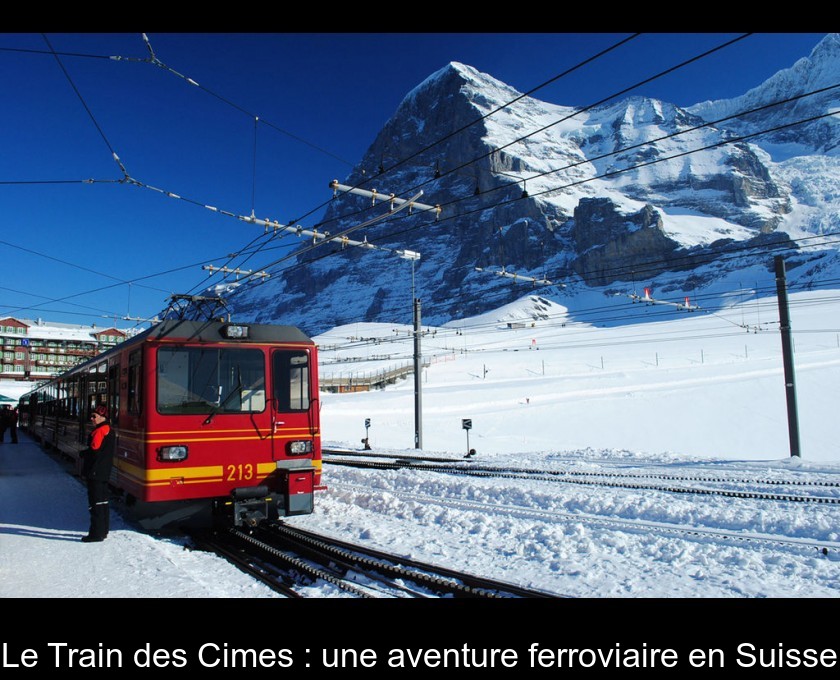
(239, 472)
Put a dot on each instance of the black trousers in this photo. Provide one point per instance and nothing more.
(100, 511)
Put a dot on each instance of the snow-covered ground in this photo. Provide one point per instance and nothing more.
(692, 394)
(669, 385)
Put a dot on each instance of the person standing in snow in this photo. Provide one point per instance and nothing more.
(4, 414)
(97, 461)
(11, 423)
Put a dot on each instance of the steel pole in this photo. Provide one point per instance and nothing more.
(418, 397)
(787, 355)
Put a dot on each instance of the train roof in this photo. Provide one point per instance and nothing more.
(195, 331)
(212, 331)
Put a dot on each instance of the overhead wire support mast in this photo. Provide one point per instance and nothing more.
(390, 198)
(325, 236)
(519, 277)
(317, 236)
(239, 272)
(646, 298)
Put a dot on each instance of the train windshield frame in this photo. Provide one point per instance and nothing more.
(205, 380)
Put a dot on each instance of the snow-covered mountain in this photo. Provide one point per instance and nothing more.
(634, 191)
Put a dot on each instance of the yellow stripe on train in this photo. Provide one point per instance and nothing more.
(201, 474)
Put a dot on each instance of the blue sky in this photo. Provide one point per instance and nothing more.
(92, 252)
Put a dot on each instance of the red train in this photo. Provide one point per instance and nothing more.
(214, 420)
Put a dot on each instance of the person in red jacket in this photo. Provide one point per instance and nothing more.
(97, 461)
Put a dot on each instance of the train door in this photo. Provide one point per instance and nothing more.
(290, 403)
(293, 430)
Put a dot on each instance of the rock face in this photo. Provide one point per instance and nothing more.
(607, 241)
(589, 200)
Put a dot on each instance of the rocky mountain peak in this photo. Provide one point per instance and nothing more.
(531, 187)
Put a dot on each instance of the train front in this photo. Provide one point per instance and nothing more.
(232, 421)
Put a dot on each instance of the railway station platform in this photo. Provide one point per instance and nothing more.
(43, 516)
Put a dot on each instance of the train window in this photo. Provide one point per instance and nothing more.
(210, 380)
(114, 394)
(291, 380)
(134, 383)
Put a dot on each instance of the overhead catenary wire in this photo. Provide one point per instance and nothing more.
(507, 104)
(790, 99)
(206, 206)
(639, 266)
(502, 295)
(154, 60)
(71, 264)
(584, 328)
(87, 109)
(708, 256)
(621, 150)
(608, 98)
(212, 208)
(478, 120)
(586, 61)
(581, 110)
(662, 159)
(590, 325)
(500, 108)
(723, 142)
(48, 299)
(342, 239)
(651, 142)
(579, 340)
(655, 266)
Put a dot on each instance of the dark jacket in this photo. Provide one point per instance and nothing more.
(98, 457)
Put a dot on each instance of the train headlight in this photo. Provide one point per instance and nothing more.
(300, 447)
(172, 454)
(235, 331)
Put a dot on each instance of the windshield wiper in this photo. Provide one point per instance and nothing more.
(236, 390)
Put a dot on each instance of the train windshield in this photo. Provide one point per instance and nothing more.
(210, 380)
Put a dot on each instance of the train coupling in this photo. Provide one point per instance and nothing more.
(248, 506)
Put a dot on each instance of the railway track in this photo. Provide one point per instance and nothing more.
(291, 561)
(695, 533)
(802, 490)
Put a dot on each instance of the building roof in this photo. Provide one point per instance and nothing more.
(51, 330)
